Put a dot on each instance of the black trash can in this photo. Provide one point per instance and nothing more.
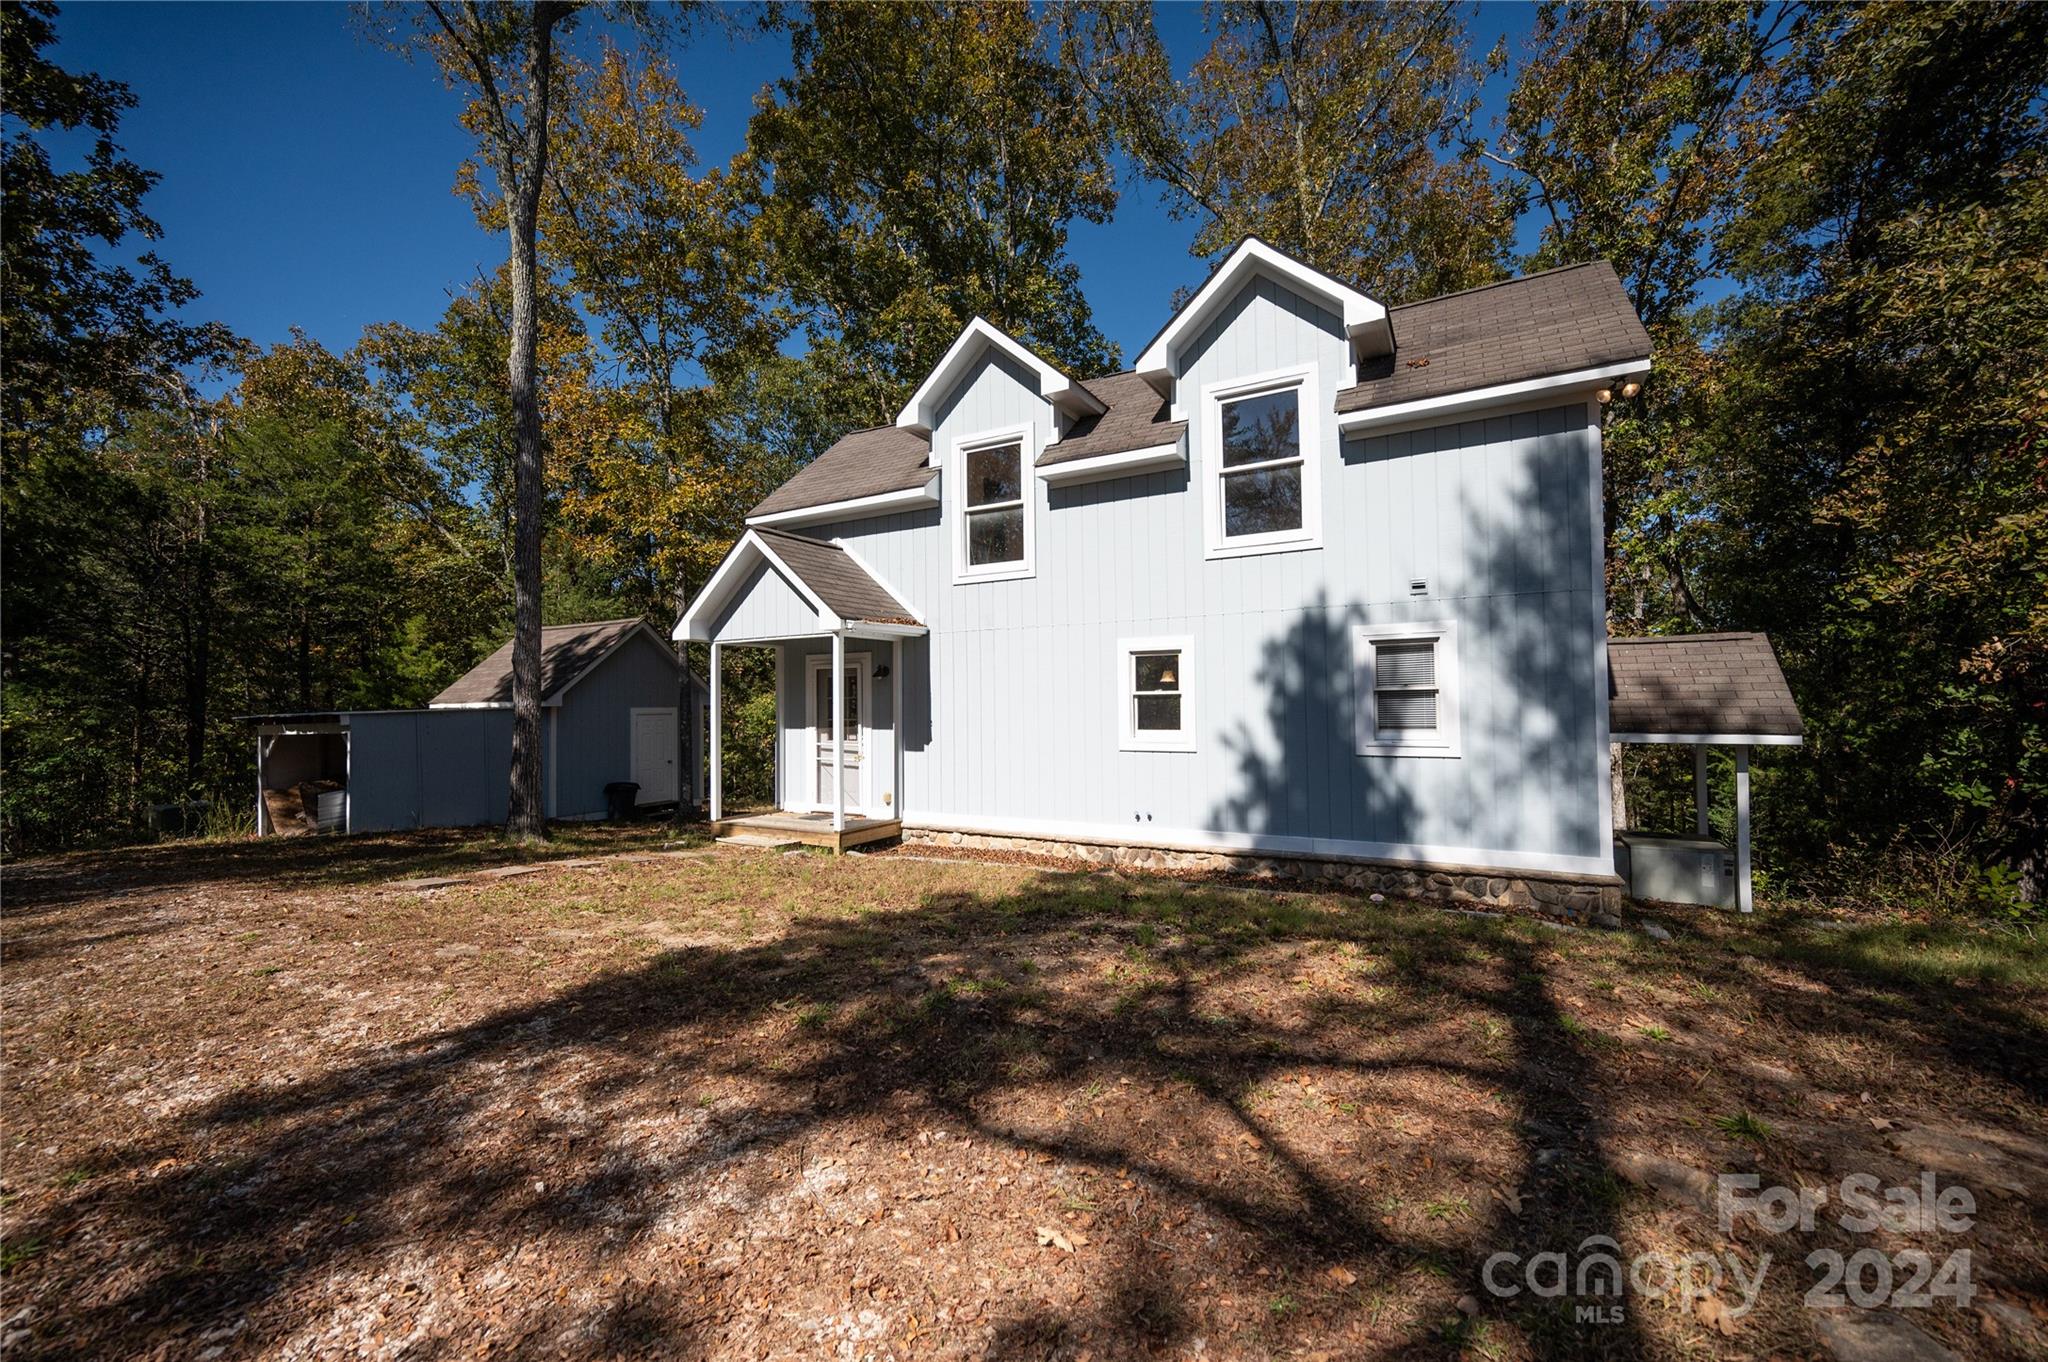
(621, 797)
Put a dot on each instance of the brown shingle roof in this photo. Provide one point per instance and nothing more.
(1578, 317)
(1698, 684)
(864, 464)
(836, 579)
(1136, 419)
(566, 652)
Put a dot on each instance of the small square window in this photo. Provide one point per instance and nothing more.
(1407, 690)
(1152, 695)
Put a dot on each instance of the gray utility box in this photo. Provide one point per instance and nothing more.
(1676, 869)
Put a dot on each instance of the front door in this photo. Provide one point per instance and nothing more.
(820, 726)
(654, 755)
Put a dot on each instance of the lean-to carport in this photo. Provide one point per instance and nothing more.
(1704, 691)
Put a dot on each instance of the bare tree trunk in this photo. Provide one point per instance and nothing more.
(525, 816)
(523, 173)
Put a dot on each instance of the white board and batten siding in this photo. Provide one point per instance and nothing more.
(1011, 719)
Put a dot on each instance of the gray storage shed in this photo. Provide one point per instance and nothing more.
(617, 705)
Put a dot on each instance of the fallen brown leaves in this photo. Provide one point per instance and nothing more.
(727, 1105)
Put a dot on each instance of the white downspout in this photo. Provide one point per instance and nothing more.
(896, 723)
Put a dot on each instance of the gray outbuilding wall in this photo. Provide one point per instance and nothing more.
(594, 744)
(429, 768)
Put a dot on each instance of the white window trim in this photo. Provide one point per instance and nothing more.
(1129, 736)
(1370, 742)
(1025, 437)
(1305, 378)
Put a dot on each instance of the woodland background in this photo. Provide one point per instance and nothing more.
(1833, 219)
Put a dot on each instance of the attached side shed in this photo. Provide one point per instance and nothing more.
(616, 706)
(1698, 691)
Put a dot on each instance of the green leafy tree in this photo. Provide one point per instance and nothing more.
(922, 166)
(1336, 132)
(83, 335)
(1874, 460)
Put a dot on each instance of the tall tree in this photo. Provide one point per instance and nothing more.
(1336, 132)
(1873, 465)
(94, 350)
(504, 55)
(664, 258)
(922, 166)
(83, 336)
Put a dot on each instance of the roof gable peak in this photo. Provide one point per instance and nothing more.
(920, 413)
(1364, 317)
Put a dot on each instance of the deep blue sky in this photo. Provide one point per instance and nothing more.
(307, 171)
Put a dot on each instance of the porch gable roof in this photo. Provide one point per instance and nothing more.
(829, 579)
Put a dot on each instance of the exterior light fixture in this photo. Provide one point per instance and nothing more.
(1605, 395)
(1631, 388)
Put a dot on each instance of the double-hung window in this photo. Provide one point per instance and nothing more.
(992, 536)
(1262, 438)
(1153, 696)
(1407, 689)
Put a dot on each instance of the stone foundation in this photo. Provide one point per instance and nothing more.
(1569, 897)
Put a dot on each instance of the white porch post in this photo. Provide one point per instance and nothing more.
(1743, 898)
(838, 731)
(896, 722)
(263, 828)
(1699, 787)
(717, 737)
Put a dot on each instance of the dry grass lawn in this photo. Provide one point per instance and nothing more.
(261, 1102)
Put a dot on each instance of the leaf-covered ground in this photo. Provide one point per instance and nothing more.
(262, 1101)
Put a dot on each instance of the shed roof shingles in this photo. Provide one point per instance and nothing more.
(566, 652)
(1699, 684)
(1556, 322)
(845, 587)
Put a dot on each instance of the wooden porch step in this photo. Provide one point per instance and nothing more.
(788, 829)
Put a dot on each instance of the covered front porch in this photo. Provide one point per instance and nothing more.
(838, 638)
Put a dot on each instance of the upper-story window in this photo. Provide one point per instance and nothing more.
(1262, 481)
(993, 525)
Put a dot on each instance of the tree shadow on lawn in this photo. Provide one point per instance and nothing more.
(294, 864)
(572, 1128)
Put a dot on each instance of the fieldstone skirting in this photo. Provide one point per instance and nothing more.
(1575, 898)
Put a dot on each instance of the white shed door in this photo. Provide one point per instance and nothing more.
(654, 755)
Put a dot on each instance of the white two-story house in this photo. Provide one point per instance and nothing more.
(1318, 578)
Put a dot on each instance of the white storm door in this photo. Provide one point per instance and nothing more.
(819, 707)
(654, 755)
